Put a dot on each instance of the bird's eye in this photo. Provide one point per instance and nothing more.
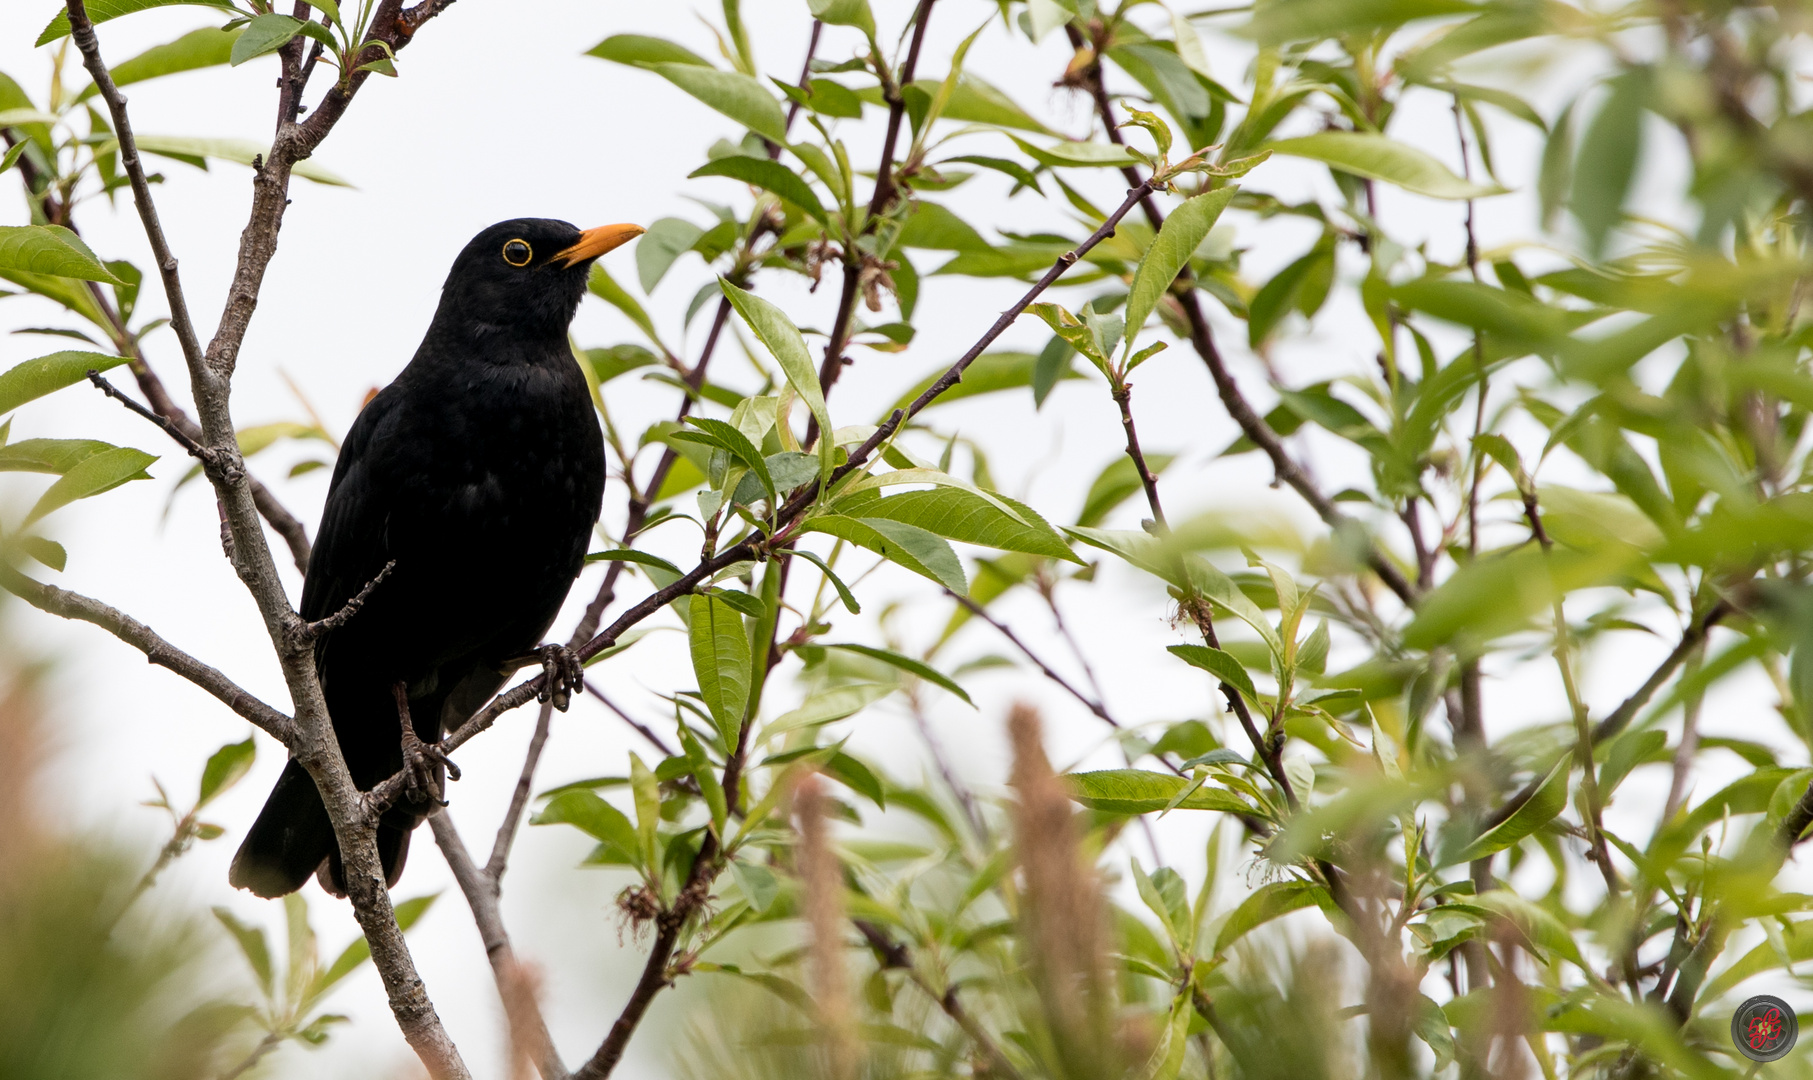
(518, 253)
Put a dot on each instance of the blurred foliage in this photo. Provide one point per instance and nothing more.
(1579, 448)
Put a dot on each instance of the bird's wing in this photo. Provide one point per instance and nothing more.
(351, 547)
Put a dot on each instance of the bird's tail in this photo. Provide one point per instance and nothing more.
(293, 839)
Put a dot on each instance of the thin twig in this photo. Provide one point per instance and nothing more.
(879, 201)
(314, 630)
(70, 605)
(519, 799)
(481, 892)
(895, 955)
(271, 1041)
(1202, 338)
(642, 729)
(1007, 632)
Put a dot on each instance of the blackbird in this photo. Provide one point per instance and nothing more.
(475, 477)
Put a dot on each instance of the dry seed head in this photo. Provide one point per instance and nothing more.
(823, 879)
(1062, 917)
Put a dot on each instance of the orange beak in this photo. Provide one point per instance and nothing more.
(595, 242)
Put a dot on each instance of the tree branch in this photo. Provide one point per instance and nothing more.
(1691, 639)
(1006, 631)
(481, 891)
(1202, 338)
(892, 954)
(790, 515)
(879, 201)
(313, 743)
(70, 605)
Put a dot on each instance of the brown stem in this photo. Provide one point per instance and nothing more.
(1202, 338)
(519, 799)
(879, 201)
(70, 605)
(312, 743)
(1123, 398)
(642, 729)
(1007, 632)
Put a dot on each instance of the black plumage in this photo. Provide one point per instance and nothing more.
(480, 472)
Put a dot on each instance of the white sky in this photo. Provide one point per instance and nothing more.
(498, 114)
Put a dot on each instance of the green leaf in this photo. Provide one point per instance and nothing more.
(238, 151)
(224, 769)
(54, 456)
(1609, 154)
(783, 340)
(408, 913)
(1549, 800)
(102, 472)
(738, 96)
(916, 549)
(51, 250)
(35, 378)
(1115, 485)
(1219, 664)
(1542, 929)
(969, 516)
(843, 591)
(906, 663)
(759, 886)
(252, 945)
(706, 777)
(1379, 158)
(768, 175)
(1079, 155)
(1135, 791)
(612, 361)
(204, 48)
(48, 552)
(1299, 20)
(640, 49)
(605, 287)
(264, 34)
(844, 13)
(632, 555)
(728, 438)
(648, 811)
(666, 240)
(99, 11)
(935, 228)
(1183, 232)
(856, 776)
(593, 816)
(720, 659)
(1165, 895)
(1021, 175)
(1265, 904)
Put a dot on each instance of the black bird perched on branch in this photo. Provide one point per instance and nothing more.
(475, 478)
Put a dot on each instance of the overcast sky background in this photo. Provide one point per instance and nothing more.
(499, 114)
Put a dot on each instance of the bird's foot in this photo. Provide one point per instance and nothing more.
(564, 672)
(421, 784)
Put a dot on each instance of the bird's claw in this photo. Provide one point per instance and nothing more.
(420, 784)
(564, 675)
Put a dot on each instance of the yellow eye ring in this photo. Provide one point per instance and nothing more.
(518, 252)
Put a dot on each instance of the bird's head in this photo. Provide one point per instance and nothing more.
(526, 276)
